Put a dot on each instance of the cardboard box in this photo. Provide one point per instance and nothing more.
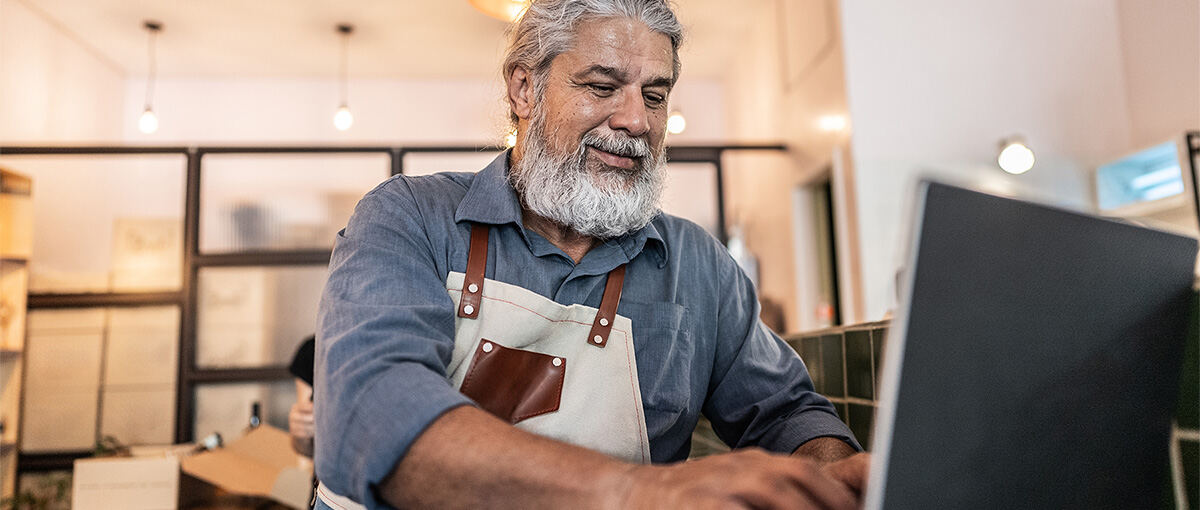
(261, 463)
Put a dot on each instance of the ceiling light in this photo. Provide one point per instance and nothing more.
(503, 10)
(148, 121)
(676, 123)
(510, 140)
(1015, 157)
(831, 123)
(343, 119)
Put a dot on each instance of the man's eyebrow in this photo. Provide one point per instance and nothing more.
(621, 76)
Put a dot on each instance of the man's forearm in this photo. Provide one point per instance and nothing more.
(469, 458)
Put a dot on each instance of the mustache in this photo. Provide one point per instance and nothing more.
(637, 148)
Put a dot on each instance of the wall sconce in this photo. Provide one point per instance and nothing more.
(148, 122)
(1015, 157)
(676, 123)
(832, 123)
(343, 119)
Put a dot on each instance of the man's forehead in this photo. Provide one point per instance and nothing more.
(621, 48)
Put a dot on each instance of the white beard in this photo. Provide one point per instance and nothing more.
(600, 201)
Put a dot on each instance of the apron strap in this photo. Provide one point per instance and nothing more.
(603, 323)
(472, 291)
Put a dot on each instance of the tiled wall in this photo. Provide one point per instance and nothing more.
(844, 364)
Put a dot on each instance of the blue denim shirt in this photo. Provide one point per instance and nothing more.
(386, 327)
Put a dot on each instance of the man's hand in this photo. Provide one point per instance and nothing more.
(749, 478)
(839, 461)
(301, 427)
(851, 471)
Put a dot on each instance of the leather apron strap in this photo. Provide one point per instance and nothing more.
(472, 292)
(602, 325)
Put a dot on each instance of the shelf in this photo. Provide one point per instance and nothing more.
(61, 461)
(9, 354)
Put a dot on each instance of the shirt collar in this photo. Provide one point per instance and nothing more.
(491, 199)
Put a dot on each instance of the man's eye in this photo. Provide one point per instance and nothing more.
(602, 89)
(654, 99)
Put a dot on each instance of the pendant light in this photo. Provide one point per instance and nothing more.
(676, 122)
(148, 122)
(343, 119)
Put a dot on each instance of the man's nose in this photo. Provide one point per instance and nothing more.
(630, 116)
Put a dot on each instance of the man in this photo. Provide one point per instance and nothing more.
(481, 346)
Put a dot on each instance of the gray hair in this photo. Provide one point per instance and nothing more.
(547, 30)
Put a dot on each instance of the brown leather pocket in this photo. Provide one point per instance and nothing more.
(514, 384)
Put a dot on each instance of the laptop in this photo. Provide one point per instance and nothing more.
(1034, 362)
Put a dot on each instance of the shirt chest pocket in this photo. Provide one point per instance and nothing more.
(665, 354)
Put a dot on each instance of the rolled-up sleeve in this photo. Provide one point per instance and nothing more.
(760, 393)
(385, 335)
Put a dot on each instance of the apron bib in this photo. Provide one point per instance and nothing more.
(564, 372)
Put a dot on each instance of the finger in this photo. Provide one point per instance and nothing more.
(780, 494)
(827, 491)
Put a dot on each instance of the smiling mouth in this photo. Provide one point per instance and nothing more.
(614, 160)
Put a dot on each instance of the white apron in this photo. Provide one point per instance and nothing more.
(563, 372)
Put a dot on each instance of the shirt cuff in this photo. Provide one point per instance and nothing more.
(388, 417)
(803, 427)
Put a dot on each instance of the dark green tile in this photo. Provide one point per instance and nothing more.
(877, 340)
(862, 418)
(810, 352)
(1190, 451)
(859, 373)
(1187, 412)
(832, 367)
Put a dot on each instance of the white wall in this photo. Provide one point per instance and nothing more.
(53, 87)
(1160, 43)
(789, 75)
(933, 86)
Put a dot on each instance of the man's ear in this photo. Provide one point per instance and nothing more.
(520, 92)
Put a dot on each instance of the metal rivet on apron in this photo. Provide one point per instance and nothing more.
(603, 321)
(558, 362)
(598, 339)
(487, 347)
(468, 309)
(472, 288)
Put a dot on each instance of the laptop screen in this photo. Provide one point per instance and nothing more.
(1035, 362)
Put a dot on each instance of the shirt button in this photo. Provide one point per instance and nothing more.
(487, 347)
(598, 340)
(558, 362)
(472, 288)
(468, 309)
(603, 321)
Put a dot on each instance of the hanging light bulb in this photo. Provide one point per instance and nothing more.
(676, 123)
(343, 119)
(1015, 157)
(148, 121)
(510, 140)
